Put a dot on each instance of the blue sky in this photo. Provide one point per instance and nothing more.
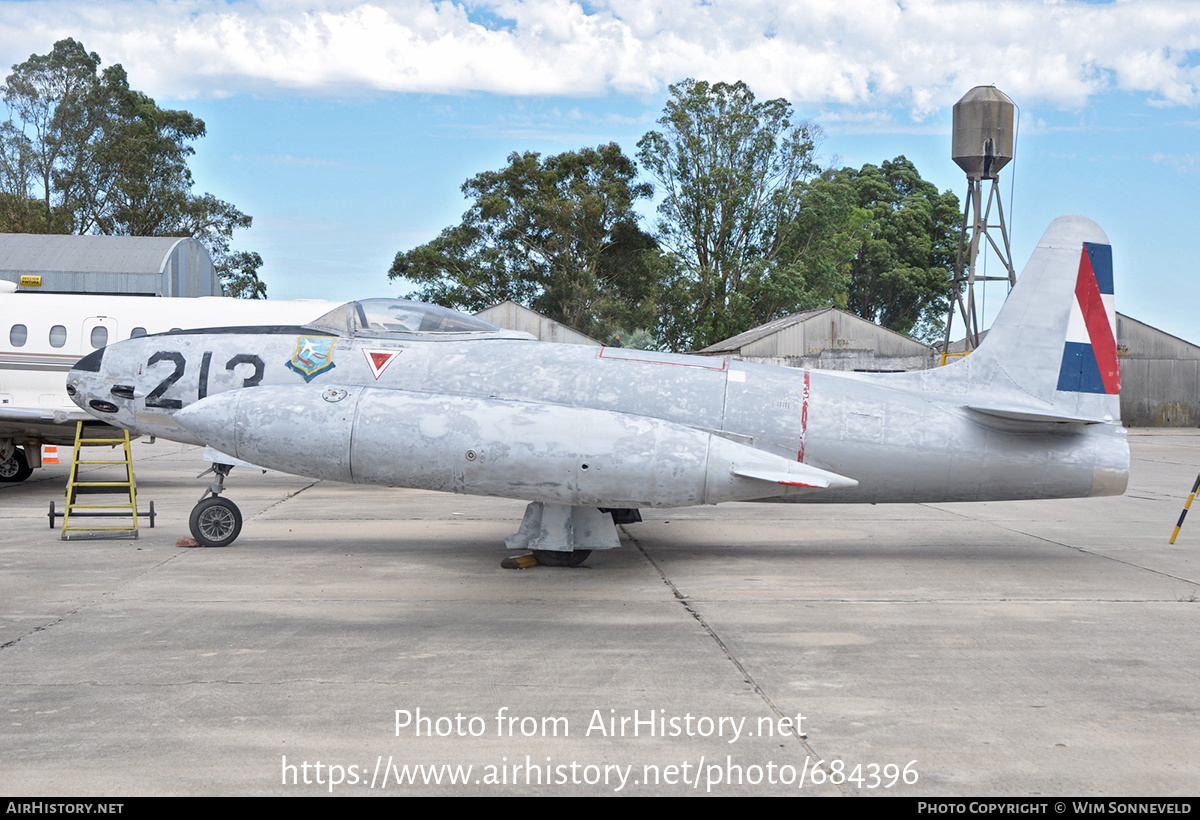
(346, 128)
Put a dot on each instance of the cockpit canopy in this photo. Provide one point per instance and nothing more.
(387, 318)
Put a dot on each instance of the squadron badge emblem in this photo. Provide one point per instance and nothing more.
(313, 356)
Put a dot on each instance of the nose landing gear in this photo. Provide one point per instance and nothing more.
(215, 521)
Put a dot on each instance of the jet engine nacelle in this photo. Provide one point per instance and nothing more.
(539, 452)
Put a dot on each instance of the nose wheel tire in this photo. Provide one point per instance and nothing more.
(215, 522)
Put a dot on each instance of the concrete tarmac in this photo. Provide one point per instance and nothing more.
(361, 641)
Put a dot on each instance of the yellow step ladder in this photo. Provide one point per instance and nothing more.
(122, 485)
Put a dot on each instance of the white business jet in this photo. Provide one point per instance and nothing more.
(43, 334)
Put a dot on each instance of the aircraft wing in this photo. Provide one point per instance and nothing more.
(18, 416)
(54, 425)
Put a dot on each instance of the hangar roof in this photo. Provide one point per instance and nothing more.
(153, 265)
(826, 327)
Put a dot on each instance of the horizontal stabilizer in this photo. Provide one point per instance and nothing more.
(1033, 415)
(800, 475)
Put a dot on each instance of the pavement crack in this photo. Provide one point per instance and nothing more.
(842, 787)
(99, 599)
(1083, 550)
(285, 499)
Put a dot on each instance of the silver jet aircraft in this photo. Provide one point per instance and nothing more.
(391, 392)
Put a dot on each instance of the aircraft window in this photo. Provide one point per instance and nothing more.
(17, 335)
(99, 336)
(383, 317)
(58, 336)
(137, 332)
(390, 315)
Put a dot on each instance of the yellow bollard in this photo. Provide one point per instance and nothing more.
(1183, 514)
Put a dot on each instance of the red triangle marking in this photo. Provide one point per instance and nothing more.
(378, 360)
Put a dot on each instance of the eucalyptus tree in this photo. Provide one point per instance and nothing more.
(902, 269)
(558, 234)
(732, 173)
(104, 158)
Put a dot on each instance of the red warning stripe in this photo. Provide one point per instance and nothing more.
(1095, 317)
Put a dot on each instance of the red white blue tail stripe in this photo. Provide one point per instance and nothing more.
(1089, 363)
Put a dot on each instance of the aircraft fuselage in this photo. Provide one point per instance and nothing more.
(587, 426)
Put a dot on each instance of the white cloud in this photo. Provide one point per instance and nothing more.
(1182, 163)
(918, 54)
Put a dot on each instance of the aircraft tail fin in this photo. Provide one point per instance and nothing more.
(1051, 355)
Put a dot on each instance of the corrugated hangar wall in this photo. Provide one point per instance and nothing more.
(512, 316)
(826, 339)
(1160, 376)
(1160, 373)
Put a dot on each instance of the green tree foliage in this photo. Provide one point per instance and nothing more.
(239, 275)
(752, 229)
(901, 272)
(558, 235)
(735, 177)
(20, 210)
(57, 99)
(816, 250)
(640, 339)
(104, 158)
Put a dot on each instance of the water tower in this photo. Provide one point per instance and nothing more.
(982, 145)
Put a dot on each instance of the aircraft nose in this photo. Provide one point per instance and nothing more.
(91, 362)
(79, 380)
